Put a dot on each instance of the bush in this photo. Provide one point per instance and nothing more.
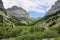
(37, 29)
(27, 32)
(1, 20)
(57, 29)
(18, 22)
(6, 32)
(33, 33)
(58, 38)
(50, 34)
(33, 36)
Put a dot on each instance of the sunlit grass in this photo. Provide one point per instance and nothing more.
(9, 39)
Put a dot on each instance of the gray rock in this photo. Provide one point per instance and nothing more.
(1, 11)
(52, 39)
(1, 5)
(18, 13)
(54, 8)
(45, 39)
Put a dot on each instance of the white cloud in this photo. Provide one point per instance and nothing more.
(29, 5)
(37, 10)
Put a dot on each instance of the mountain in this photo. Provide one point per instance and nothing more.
(49, 21)
(45, 28)
(3, 17)
(18, 13)
(1, 5)
(51, 18)
(9, 17)
(54, 8)
(1, 12)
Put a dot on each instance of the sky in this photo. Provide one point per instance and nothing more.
(36, 8)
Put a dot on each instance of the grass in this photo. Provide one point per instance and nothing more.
(9, 39)
(14, 38)
(57, 38)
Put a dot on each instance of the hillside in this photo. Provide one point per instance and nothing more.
(49, 20)
(54, 8)
(45, 28)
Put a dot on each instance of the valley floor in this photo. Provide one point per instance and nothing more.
(42, 39)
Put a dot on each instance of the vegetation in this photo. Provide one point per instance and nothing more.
(46, 27)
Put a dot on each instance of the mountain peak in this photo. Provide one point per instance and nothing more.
(54, 8)
(17, 12)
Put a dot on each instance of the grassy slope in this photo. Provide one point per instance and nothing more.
(49, 20)
(9, 39)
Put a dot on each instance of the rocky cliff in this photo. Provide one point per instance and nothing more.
(1, 5)
(18, 13)
(3, 17)
(1, 13)
(54, 8)
(51, 18)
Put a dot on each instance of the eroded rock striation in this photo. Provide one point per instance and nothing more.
(17, 13)
(54, 8)
(1, 5)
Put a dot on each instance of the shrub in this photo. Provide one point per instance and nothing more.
(57, 29)
(6, 32)
(50, 34)
(33, 36)
(58, 38)
(37, 29)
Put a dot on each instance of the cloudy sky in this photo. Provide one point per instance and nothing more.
(36, 8)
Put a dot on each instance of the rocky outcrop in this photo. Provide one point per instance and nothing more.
(17, 13)
(3, 17)
(1, 5)
(54, 8)
(1, 13)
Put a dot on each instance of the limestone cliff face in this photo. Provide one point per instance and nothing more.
(1, 9)
(52, 17)
(54, 8)
(17, 12)
(1, 5)
(1, 13)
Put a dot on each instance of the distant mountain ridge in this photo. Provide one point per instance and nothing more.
(54, 8)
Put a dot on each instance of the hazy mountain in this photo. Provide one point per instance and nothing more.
(18, 13)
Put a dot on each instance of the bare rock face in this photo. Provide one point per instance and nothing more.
(17, 12)
(1, 13)
(1, 5)
(54, 8)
